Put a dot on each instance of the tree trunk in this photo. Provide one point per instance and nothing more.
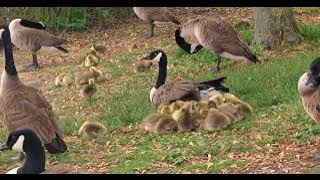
(275, 27)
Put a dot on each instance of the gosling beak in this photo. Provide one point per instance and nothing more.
(4, 147)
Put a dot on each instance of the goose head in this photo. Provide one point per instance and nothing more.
(313, 77)
(25, 140)
(27, 23)
(156, 56)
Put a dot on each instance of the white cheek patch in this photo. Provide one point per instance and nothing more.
(157, 58)
(152, 92)
(1, 31)
(13, 171)
(18, 146)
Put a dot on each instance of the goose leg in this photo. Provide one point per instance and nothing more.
(19, 157)
(34, 64)
(150, 34)
(217, 68)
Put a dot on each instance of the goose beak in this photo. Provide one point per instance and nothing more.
(4, 147)
(146, 57)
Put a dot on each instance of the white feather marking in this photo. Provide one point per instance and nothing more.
(48, 48)
(233, 57)
(160, 22)
(152, 92)
(18, 146)
(157, 58)
(205, 93)
(13, 171)
(193, 47)
(1, 31)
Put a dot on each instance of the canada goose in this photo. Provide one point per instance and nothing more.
(22, 106)
(159, 123)
(63, 79)
(184, 120)
(142, 66)
(94, 73)
(153, 15)
(216, 36)
(309, 90)
(92, 129)
(28, 35)
(24, 140)
(178, 89)
(215, 121)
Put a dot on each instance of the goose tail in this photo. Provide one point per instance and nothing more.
(62, 49)
(217, 84)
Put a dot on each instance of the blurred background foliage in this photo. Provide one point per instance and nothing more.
(70, 18)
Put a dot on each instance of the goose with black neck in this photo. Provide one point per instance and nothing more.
(26, 141)
(23, 106)
(178, 89)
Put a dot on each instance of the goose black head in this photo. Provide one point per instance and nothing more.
(18, 139)
(31, 24)
(156, 55)
(314, 73)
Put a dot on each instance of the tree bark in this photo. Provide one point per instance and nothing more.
(275, 27)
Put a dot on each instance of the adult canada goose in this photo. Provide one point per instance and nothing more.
(159, 123)
(24, 140)
(215, 35)
(22, 106)
(309, 90)
(31, 36)
(178, 89)
(153, 15)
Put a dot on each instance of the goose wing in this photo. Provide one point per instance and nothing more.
(40, 38)
(160, 14)
(175, 90)
(221, 37)
(28, 108)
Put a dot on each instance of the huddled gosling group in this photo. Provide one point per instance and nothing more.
(215, 113)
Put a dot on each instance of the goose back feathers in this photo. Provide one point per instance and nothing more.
(216, 36)
(178, 89)
(155, 14)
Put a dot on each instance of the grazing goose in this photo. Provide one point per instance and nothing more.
(30, 36)
(215, 35)
(24, 140)
(153, 15)
(178, 89)
(309, 90)
(22, 106)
